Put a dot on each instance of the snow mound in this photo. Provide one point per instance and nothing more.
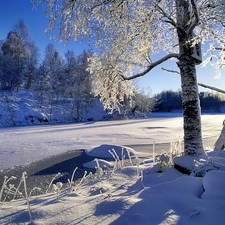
(100, 162)
(184, 163)
(214, 184)
(103, 151)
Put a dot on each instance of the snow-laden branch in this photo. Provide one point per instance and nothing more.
(170, 19)
(151, 66)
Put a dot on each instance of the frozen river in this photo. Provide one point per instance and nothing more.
(22, 145)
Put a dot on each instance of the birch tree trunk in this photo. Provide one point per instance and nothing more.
(190, 97)
(191, 106)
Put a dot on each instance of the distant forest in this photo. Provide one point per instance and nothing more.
(168, 101)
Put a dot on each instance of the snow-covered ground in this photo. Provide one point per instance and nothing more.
(129, 195)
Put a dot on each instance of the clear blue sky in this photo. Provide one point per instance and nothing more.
(157, 80)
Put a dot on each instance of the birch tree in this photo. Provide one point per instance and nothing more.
(134, 36)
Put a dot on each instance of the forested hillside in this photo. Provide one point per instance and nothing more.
(23, 108)
(51, 84)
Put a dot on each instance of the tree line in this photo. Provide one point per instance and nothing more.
(169, 100)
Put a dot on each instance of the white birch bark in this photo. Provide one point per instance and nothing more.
(190, 97)
(191, 107)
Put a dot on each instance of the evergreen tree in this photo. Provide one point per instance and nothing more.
(19, 58)
(14, 55)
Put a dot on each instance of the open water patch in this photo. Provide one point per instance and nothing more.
(41, 173)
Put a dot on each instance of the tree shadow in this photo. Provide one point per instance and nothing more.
(150, 128)
(167, 203)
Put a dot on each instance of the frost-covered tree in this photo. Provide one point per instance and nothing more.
(78, 81)
(143, 101)
(134, 36)
(22, 30)
(48, 78)
(31, 65)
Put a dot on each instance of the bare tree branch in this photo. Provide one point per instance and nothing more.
(151, 66)
(200, 84)
(212, 88)
(170, 71)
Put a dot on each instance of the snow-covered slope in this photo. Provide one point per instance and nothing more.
(23, 108)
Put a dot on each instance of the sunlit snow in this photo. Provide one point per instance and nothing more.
(130, 195)
(133, 194)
